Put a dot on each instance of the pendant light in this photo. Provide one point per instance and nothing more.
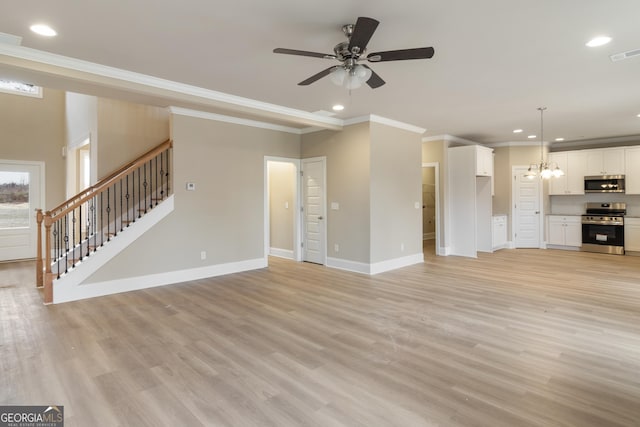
(543, 169)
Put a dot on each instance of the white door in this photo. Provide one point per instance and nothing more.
(314, 210)
(20, 195)
(526, 209)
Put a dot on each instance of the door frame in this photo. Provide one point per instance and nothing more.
(515, 170)
(323, 159)
(297, 226)
(436, 165)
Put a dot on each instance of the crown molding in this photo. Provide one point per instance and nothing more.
(449, 138)
(92, 73)
(518, 144)
(602, 142)
(384, 121)
(230, 119)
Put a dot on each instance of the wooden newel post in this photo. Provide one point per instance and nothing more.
(48, 275)
(39, 266)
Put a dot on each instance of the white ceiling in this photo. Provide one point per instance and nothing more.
(496, 61)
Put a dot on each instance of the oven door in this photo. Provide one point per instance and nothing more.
(604, 235)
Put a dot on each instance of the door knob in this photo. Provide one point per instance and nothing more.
(537, 212)
(320, 217)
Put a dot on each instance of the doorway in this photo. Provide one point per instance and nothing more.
(282, 207)
(21, 192)
(431, 208)
(526, 214)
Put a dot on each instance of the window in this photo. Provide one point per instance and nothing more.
(14, 199)
(19, 88)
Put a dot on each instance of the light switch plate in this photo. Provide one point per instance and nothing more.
(335, 206)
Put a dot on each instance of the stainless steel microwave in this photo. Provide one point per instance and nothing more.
(604, 184)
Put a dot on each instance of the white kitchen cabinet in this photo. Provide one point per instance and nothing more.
(632, 235)
(572, 164)
(499, 231)
(484, 161)
(605, 161)
(632, 175)
(564, 230)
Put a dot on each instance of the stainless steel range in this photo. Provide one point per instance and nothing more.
(603, 228)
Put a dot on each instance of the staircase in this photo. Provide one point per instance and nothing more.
(84, 225)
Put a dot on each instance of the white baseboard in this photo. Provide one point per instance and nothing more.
(281, 253)
(392, 264)
(444, 251)
(91, 290)
(376, 268)
(344, 264)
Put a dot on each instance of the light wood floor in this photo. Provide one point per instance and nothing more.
(514, 338)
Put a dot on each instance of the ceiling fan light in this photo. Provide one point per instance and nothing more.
(338, 76)
(362, 72)
(352, 82)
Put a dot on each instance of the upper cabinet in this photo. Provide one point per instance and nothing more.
(484, 161)
(632, 176)
(606, 161)
(573, 164)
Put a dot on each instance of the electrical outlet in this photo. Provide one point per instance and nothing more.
(191, 186)
(336, 248)
(203, 255)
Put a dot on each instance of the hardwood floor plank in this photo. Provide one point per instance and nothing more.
(517, 337)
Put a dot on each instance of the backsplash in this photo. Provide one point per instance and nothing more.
(575, 205)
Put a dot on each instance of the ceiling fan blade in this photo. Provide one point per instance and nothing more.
(304, 53)
(362, 32)
(316, 77)
(402, 54)
(375, 80)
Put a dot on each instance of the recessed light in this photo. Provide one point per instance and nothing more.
(531, 136)
(338, 107)
(43, 30)
(559, 139)
(638, 115)
(517, 131)
(598, 41)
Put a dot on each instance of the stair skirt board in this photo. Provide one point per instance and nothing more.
(91, 290)
(66, 285)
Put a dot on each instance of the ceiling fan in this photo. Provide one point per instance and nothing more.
(351, 73)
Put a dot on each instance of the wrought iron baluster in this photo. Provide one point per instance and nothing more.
(101, 222)
(127, 197)
(73, 237)
(156, 174)
(108, 209)
(121, 215)
(144, 184)
(139, 192)
(161, 176)
(66, 243)
(80, 229)
(168, 189)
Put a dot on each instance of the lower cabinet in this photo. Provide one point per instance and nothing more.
(564, 230)
(632, 235)
(499, 231)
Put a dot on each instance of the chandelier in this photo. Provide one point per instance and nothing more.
(543, 169)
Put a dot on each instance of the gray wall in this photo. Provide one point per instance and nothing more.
(33, 129)
(224, 216)
(396, 186)
(348, 173)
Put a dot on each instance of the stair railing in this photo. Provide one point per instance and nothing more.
(81, 225)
